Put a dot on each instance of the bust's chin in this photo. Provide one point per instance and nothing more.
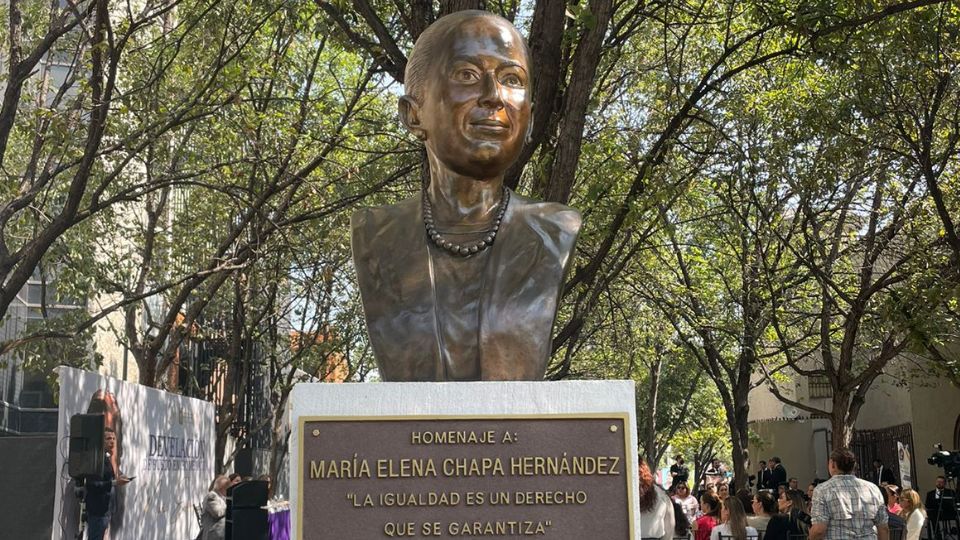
(486, 161)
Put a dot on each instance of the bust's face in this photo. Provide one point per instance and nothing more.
(476, 107)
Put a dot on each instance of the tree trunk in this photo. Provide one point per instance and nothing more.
(450, 6)
(280, 443)
(650, 436)
(576, 103)
(737, 420)
(842, 429)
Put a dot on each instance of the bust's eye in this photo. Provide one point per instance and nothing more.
(466, 75)
(511, 79)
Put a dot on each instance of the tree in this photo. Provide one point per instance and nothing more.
(707, 437)
(636, 174)
(55, 181)
(205, 78)
(631, 344)
(865, 239)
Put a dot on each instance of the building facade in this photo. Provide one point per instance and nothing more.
(909, 404)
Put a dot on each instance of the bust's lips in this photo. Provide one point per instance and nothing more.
(490, 125)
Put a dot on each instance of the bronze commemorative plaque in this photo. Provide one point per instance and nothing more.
(558, 477)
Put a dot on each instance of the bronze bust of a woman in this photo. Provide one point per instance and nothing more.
(462, 282)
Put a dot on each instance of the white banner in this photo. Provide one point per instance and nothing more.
(906, 475)
(165, 442)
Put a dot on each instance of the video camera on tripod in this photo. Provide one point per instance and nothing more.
(943, 515)
(946, 460)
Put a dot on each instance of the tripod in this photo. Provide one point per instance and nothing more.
(944, 525)
(80, 490)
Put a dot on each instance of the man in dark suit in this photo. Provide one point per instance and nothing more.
(462, 281)
(882, 475)
(778, 474)
(763, 476)
(941, 504)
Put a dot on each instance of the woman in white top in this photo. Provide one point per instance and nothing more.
(734, 524)
(913, 513)
(656, 508)
(687, 501)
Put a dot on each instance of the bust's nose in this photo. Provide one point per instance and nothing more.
(490, 91)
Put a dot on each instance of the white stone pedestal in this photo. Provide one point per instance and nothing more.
(318, 406)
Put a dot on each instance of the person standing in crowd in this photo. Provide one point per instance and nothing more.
(105, 402)
(714, 473)
(892, 497)
(266, 478)
(770, 484)
(212, 526)
(881, 475)
(764, 507)
(656, 508)
(746, 500)
(99, 492)
(681, 526)
(845, 506)
(723, 491)
(793, 483)
(912, 512)
(940, 502)
(679, 473)
(688, 503)
(733, 522)
(710, 508)
(791, 521)
(894, 521)
(778, 474)
(763, 476)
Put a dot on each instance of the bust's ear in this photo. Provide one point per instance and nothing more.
(528, 136)
(410, 116)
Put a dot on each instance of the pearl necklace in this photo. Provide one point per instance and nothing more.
(463, 250)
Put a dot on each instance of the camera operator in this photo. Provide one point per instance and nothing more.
(99, 491)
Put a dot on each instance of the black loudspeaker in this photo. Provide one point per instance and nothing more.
(252, 494)
(247, 524)
(246, 519)
(86, 445)
(243, 462)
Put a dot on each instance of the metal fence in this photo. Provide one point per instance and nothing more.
(871, 444)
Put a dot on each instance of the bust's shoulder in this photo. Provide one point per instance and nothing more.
(558, 215)
(370, 215)
(374, 229)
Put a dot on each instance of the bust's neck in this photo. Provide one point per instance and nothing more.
(459, 199)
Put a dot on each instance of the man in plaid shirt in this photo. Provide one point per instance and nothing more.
(846, 507)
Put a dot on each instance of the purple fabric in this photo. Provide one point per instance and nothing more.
(279, 525)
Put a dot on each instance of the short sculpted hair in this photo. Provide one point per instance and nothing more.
(423, 59)
(844, 459)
